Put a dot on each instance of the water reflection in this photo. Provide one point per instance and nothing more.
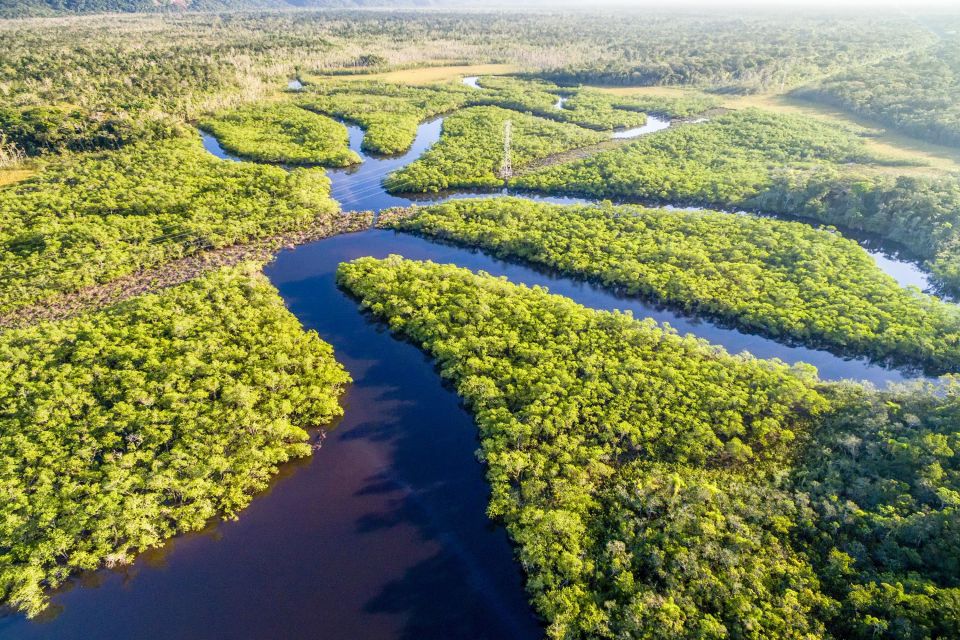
(653, 125)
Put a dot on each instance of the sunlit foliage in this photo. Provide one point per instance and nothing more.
(570, 404)
(471, 149)
(659, 488)
(388, 113)
(778, 164)
(91, 218)
(281, 133)
(784, 279)
(122, 428)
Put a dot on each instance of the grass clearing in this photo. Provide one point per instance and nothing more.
(937, 159)
(886, 142)
(426, 75)
(10, 176)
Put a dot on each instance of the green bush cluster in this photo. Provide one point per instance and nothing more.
(124, 427)
(388, 113)
(882, 479)
(282, 133)
(469, 153)
(917, 93)
(53, 129)
(574, 408)
(688, 105)
(657, 487)
(784, 279)
(725, 161)
(92, 218)
(778, 164)
(584, 107)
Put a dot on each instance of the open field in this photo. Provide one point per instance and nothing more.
(426, 75)
(9, 176)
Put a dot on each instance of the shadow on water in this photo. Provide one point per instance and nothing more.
(382, 533)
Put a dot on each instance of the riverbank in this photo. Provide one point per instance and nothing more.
(176, 272)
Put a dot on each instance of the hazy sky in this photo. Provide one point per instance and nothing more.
(912, 5)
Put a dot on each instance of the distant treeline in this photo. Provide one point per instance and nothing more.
(919, 94)
(739, 54)
(39, 8)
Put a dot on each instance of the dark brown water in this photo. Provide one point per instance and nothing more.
(382, 533)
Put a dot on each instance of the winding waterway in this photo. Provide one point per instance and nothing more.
(382, 533)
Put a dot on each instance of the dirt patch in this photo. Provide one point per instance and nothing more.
(176, 272)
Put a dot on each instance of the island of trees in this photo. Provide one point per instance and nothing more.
(123, 427)
(657, 487)
(784, 279)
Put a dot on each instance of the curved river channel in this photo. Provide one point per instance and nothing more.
(382, 533)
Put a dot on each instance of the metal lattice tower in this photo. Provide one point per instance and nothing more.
(506, 169)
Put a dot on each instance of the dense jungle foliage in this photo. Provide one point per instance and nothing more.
(53, 129)
(470, 150)
(160, 70)
(739, 53)
(122, 428)
(882, 479)
(389, 113)
(775, 163)
(688, 105)
(581, 106)
(657, 487)
(92, 218)
(282, 133)
(784, 279)
(918, 93)
(725, 161)
(917, 212)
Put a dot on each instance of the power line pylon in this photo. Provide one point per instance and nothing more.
(506, 168)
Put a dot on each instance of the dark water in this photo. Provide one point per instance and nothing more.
(382, 533)
(359, 188)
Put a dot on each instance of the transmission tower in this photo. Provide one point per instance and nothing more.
(506, 169)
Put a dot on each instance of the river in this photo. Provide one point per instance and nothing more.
(359, 188)
(382, 533)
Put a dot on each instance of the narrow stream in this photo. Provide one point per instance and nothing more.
(359, 188)
(382, 534)
(653, 125)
